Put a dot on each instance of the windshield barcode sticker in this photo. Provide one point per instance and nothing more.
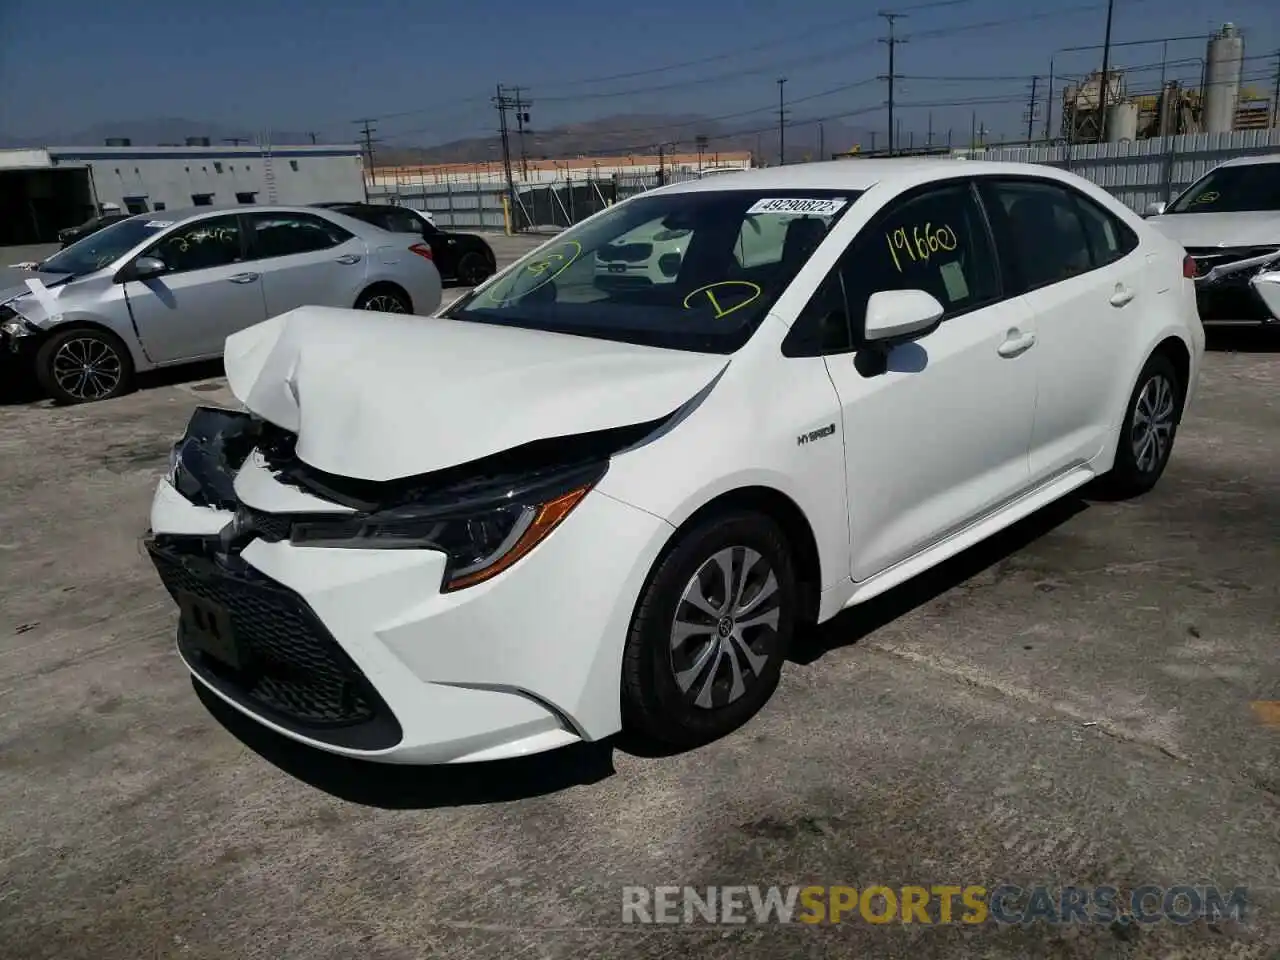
(158, 224)
(811, 206)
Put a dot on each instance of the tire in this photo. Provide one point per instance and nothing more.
(385, 298)
(84, 365)
(473, 268)
(1150, 427)
(666, 697)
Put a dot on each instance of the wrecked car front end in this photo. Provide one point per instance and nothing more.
(371, 618)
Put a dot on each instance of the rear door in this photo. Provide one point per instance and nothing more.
(1079, 271)
(208, 292)
(305, 259)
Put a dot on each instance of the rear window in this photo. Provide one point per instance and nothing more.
(694, 270)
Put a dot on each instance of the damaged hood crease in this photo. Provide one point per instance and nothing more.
(380, 397)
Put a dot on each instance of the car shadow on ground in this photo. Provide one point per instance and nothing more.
(22, 389)
(1243, 339)
(398, 787)
(389, 786)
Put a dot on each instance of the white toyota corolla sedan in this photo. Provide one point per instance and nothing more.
(559, 510)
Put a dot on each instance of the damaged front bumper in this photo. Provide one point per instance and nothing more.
(1237, 284)
(358, 649)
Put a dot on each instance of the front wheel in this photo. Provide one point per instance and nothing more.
(1150, 425)
(384, 299)
(710, 632)
(84, 365)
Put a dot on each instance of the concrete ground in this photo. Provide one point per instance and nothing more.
(1090, 698)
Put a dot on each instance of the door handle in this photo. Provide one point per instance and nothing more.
(1016, 344)
(347, 258)
(243, 278)
(1122, 296)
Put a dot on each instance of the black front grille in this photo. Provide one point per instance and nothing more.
(629, 252)
(272, 527)
(293, 672)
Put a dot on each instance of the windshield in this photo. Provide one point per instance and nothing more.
(1248, 187)
(686, 271)
(104, 247)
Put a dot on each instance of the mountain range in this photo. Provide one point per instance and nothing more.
(607, 136)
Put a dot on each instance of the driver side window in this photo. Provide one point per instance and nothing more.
(934, 240)
(214, 242)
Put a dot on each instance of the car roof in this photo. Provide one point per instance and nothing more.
(1250, 161)
(353, 224)
(858, 174)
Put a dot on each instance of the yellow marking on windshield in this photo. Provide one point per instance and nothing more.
(549, 267)
(921, 243)
(1208, 197)
(720, 311)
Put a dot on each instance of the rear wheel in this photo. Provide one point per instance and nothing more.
(385, 298)
(1147, 435)
(711, 631)
(473, 268)
(84, 365)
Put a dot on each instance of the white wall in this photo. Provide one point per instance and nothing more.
(173, 177)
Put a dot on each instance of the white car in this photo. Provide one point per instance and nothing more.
(556, 511)
(1229, 221)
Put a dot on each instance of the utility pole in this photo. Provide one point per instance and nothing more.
(928, 137)
(1275, 96)
(312, 136)
(1106, 69)
(522, 117)
(822, 141)
(1048, 108)
(892, 40)
(701, 142)
(367, 136)
(1031, 111)
(662, 170)
(782, 122)
(502, 103)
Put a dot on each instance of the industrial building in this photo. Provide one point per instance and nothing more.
(1221, 104)
(44, 190)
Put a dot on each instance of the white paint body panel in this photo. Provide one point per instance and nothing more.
(955, 442)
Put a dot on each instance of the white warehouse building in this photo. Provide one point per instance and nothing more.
(44, 190)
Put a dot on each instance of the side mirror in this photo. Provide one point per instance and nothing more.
(1156, 209)
(144, 268)
(900, 316)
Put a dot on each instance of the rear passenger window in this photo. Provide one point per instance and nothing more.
(1041, 231)
(1109, 238)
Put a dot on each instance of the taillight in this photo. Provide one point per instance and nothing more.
(422, 250)
(1189, 269)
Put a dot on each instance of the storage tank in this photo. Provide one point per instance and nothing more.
(1122, 122)
(1222, 79)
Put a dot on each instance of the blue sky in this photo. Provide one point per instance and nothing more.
(426, 69)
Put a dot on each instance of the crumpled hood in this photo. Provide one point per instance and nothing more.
(376, 396)
(21, 300)
(1220, 229)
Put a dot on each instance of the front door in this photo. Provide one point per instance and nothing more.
(941, 436)
(206, 293)
(306, 260)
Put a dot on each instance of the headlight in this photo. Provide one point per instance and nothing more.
(16, 327)
(481, 535)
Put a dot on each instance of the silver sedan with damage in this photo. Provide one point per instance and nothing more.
(163, 289)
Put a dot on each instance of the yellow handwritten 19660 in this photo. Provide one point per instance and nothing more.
(918, 243)
(1209, 197)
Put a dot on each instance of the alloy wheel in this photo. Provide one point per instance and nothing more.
(87, 368)
(1151, 432)
(384, 303)
(725, 627)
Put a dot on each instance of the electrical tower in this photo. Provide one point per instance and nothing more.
(892, 40)
(366, 136)
(700, 142)
(503, 103)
